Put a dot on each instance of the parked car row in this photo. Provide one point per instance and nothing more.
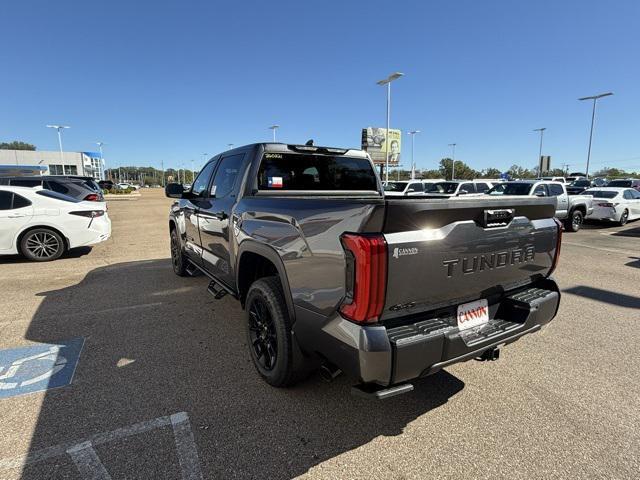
(575, 202)
(78, 187)
(436, 188)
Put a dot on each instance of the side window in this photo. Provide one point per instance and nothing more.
(482, 187)
(417, 187)
(23, 182)
(540, 190)
(5, 200)
(627, 195)
(555, 190)
(635, 194)
(201, 183)
(57, 187)
(20, 202)
(468, 187)
(227, 175)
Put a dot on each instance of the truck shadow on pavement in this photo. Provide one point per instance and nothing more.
(605, 296)
(155, 345)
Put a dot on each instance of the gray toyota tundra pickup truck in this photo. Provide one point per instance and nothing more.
(334, 275)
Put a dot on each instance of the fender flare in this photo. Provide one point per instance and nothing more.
(272, 255)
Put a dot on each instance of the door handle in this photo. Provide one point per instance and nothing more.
(221, 215)
(16, 215)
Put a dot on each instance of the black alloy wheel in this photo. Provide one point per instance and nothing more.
(269, 335)
(178, 260)
(262, 334)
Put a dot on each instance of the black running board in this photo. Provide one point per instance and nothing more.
(377, 392)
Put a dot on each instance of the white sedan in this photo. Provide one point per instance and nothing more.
(614, 203)
(42, 224)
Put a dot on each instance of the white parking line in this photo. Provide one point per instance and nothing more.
(186, 446)
(90, 466)
(87, 462)
(610, 250)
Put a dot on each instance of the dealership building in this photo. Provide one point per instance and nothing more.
(87, 164)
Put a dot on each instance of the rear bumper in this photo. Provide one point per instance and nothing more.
(99, 231)
(388, 356)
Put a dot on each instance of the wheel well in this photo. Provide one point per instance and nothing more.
(581, 208)
(23, 233)
(172, 226)
(252, 267)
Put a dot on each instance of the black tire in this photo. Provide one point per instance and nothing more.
(574, 222)
(42, 245)
(178, 258)
(624, 218)
(269, 333)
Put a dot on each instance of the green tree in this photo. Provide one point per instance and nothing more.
(16, 145)
(490, 173)
(516, 171)
(462, 170)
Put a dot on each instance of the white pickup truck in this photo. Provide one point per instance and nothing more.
(572, 210)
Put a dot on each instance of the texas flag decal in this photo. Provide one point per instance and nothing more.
(275, 182)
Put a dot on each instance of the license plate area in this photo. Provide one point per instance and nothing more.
(472, 314)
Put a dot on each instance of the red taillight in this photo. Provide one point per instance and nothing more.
(88, 213)
(605, 204)
(366, 277)
(92, 197)
(554, 264)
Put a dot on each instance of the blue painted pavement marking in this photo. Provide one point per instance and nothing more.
(38, 367)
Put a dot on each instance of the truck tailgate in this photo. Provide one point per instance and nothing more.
(443, 252)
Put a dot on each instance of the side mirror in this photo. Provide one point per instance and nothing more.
(540, 194)
(462, 192)
(174, 190)
(410, 190)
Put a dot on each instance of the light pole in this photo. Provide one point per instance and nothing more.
(59, 128)
(193, 171)
(104, 165)
(595, 98)
(387, 81)
(274, 128)
(413, 163)
(453, 160)
(541, 130)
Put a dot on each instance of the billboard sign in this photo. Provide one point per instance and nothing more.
(374, 142)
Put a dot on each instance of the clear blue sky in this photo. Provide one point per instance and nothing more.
(170, 80)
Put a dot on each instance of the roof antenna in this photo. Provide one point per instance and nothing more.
(309, 143)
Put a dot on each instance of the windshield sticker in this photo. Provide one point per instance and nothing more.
(272, 155)
(275, 182)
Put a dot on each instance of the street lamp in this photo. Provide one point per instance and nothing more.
(103, 167)
(595, 98)
(59, 128)
(274, 128)
(541, 130)
(453, 160)
(413, 163)
(387, 81)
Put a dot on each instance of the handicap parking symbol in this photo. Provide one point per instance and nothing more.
(38, 367)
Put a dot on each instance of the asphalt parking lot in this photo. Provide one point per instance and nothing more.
(163, 386)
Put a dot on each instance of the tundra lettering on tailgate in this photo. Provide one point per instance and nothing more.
(488, 261)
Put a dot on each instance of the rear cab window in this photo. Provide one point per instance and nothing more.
(315, 172)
